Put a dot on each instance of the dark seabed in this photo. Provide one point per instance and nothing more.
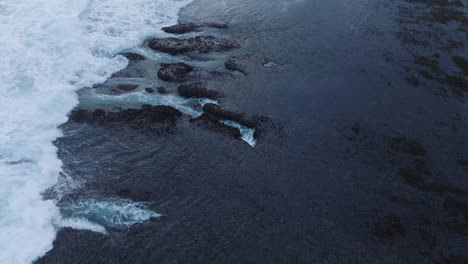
(362, 157)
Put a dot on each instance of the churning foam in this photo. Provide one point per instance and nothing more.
(118, 213)
(48, 50)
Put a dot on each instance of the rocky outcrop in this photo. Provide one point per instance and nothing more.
(217, 111)
(183, 28)
(197, 90)
(201, 44)
(162, 90)
(144, 117)
(213, 124)
(174, 72)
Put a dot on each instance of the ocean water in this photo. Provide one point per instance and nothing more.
(48, 50)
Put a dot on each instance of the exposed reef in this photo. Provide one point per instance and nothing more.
(183, 28)
(201, 44)
(218, 112)
(153, 117)
(197, 90)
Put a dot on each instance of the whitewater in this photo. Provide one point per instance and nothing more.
(48, 50)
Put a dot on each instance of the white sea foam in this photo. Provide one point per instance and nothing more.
(247, 134)
(117, 213)
(48, 50)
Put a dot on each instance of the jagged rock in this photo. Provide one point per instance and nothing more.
(201, 44)
(145, 117)
(174, 72)
(161, 90)
(213, 124)
(191, 27)
(197, 90)
(149, 90)
(217, 111)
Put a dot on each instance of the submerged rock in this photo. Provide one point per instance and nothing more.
(174, 72)
(133, 56)
(217, 111)
(201, 44)
(191, 27)
(149, 90)
(407, 145)
(127, 87)
(162, 90)
(197, 90)
(145, 117)
(213, 124)
(241, 63)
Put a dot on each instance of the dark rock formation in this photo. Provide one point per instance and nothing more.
(191, 27)
(161, 90)
(220, 113)
(201, 44)
(146, 117)
(149, 90)
(233, 64)
(133, 56)
(389, 227)
(197, 90)
(213, 124)
(174, 72)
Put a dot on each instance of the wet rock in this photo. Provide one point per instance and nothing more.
(145, 117)
(217, 111)
(183, 28)
(233, 64)
(201, 44)
(133, 56)
(161, 90)
(149, 90)
(174, 72)
(389, 227)
(213, 124)
(197, 90)
(127, 87)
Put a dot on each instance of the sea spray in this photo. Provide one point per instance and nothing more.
(48, 50)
